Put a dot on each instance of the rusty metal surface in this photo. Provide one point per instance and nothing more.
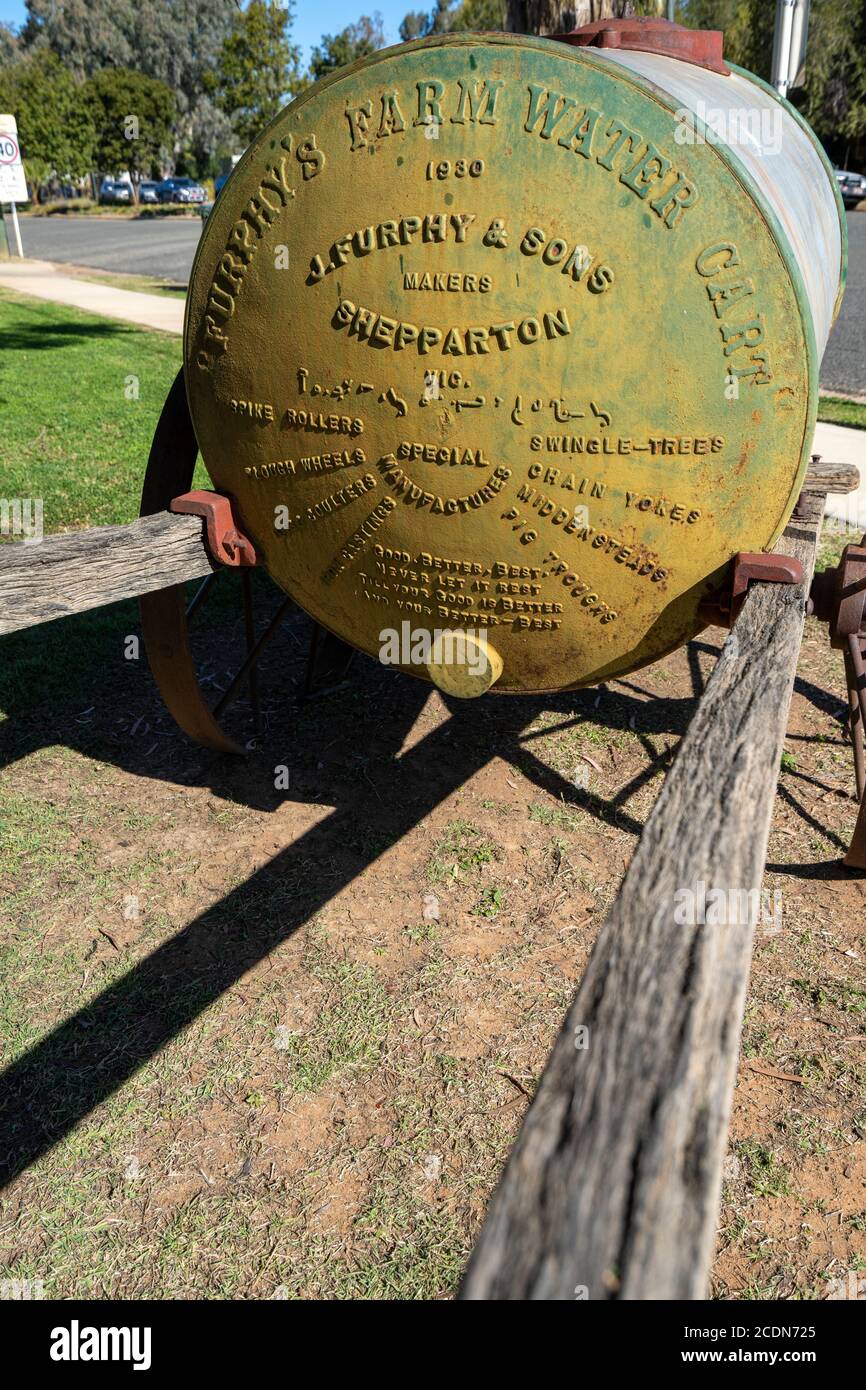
(724, 608)
(838, 598)
(474, 342)
(856, 856)
(225, 541)
(702, 47)
(838, 595)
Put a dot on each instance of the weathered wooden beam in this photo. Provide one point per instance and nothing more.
(830, 477)
(70, 573)
(78, 570)
(613, 1187)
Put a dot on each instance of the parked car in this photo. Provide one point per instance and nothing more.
(148, 191)
(180, 191)
(115, 191)
(53, 191)
(219, 184)
(851, 186)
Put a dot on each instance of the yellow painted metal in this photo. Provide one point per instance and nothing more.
(463, 664)
(476, 343)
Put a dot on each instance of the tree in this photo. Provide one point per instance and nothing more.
(560, 16)
(177, 43)
(746, 24)
(355, 41)
(133, 115)
(466, 15)
(55, 124)
(418, 25)
(257, 67)
(519, 16)
(85, 34)
(10, 47)
(204, 140)
(708, 14)
(478, 15)
(833, 99)
(173, 42)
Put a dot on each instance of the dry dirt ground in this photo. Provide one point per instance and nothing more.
(275, 1041)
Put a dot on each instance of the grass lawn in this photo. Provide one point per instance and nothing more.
(835, 411)
(79, 397)
(71, 436)
(85, 207)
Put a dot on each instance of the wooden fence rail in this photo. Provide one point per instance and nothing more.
(70, 573)
(612, 1189)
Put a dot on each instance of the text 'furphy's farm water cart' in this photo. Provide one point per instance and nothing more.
(518, 339)
(541, 374)
(499, 335)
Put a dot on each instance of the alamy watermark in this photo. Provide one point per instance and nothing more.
(77, 1343)
(758, 129)
(21, 517)
(21, 1290)
(700, 905)
(849, 1286)
(419, 646)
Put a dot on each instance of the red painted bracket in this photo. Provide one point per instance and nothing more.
(225, 540)
(722, 610)
(702, 47)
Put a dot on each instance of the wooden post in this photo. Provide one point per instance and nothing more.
(613, 1187)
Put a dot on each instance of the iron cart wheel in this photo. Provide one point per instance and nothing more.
(165, 614)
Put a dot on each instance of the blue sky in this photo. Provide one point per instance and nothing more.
(310, 22)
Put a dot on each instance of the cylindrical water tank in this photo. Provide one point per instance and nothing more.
(768, 138)
(516, 341)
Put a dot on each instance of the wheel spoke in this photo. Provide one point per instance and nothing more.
(253, 656)
(202, 593)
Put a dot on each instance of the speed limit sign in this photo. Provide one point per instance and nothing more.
(13, 186)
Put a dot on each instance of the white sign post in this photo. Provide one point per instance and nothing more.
(789, 45)
(13, 185)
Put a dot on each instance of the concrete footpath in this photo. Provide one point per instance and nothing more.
(46, 280)
(837, 444)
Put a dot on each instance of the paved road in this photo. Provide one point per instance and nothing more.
(844, 366)
(166, 247)
(163, 247)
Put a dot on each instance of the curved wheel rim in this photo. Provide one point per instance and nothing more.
(170, 468)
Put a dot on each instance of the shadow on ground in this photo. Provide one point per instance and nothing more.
(69, 683)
